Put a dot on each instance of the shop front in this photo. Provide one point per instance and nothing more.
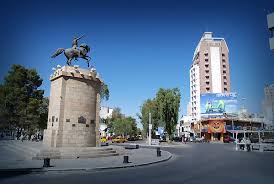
(216, 130)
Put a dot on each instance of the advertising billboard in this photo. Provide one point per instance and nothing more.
(218, 104)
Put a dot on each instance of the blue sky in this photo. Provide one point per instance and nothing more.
(140, 46)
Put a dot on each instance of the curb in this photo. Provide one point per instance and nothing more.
(42, 169)
(135, 165)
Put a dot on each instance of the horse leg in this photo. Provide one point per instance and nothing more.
(87, 58)
(69, 61)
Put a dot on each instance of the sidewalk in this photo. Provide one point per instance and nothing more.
(137, 157)
(161, 145)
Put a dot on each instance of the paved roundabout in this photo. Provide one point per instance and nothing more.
(198, 163)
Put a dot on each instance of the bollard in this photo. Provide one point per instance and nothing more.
(248, 147)
(261, 148)
(158, 152)
(125, 160)
(46, 162)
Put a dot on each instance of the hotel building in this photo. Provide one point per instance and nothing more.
(209, 72)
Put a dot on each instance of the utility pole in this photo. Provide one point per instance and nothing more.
(149, 128)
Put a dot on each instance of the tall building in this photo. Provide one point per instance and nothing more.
(270, 22)
(209, 72)
(268, 105)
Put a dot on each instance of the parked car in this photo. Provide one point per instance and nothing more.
(140, 137)
(103, 139)
(162, 139)
(177, 139)
(228, 139)
(119, 139)
(132, 138)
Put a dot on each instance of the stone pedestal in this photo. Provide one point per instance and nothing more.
(74, 106)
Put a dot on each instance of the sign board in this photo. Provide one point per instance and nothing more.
(150, 126)
(216, 126)
(218, 104)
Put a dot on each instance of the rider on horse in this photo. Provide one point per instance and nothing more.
(75, 43)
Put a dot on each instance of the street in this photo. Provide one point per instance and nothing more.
(199, 163)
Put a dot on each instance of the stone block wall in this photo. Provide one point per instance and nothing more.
(74, 106)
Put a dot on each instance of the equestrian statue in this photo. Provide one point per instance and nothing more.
(74, 52)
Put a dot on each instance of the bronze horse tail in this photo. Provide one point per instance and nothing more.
(58, 52)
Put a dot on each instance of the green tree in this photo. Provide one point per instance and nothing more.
(124, 126)
(43, 111)
(168, 102)
(116, 115)
(104, 92)
(21, 98)
(149, 106)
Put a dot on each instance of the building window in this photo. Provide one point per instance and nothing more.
(225, 83)
(224, 71)
(225, 89)
(224, 77)
(224, 66)
(206, 54)
(207, 71)
(207, 77)
(206, 65)
(52, 118)
(206, 60)
(67, 120)
(207, 83)
(207, 89)
(223, 60)
(223, 54)
(271, 32)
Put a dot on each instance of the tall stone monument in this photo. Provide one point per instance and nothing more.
(74, 105)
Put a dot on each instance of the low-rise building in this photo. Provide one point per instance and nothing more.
(268, 106)
(184, 126)
(105, 112)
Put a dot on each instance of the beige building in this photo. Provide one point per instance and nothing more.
(268, 106)
(209, 72)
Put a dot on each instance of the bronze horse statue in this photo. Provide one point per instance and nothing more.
(74, 52)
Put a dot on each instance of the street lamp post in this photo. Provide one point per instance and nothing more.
(149, 128)
(233, 128)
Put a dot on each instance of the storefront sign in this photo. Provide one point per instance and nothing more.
(216, 126)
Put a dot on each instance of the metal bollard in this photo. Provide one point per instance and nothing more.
(125, 160)
(248, 147)
(158, 152)
(46, 162)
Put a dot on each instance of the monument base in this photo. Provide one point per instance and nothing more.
(74, 106)
(74, 153)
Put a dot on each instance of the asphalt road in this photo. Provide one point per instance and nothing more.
(200, 163)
